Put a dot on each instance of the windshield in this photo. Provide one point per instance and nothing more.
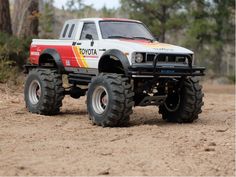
(124, 29)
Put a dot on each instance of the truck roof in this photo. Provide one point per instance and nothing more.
(73, 25)
(102, 19)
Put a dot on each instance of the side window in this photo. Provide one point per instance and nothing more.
(71, 31)
(89, 28)
(65, 31)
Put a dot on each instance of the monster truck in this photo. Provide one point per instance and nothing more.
(118, 64)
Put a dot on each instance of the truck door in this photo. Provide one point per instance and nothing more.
(87, 46)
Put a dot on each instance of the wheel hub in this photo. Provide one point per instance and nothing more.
(104, 100)
(34, 92)
(172, 102)
(100, 100)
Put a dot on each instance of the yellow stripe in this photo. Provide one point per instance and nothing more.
(82, 57)
(159, 45)
(80, 63)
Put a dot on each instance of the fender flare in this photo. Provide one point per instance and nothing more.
(56, 57)
(117, 55)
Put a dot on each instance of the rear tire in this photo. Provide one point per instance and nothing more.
(43, 92)
(110, 100)
(59, 92)
(188, 103)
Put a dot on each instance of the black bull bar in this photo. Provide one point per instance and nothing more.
(166, 69)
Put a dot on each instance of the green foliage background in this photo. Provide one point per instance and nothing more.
(14, 53)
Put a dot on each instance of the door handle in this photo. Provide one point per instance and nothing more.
(102, 50)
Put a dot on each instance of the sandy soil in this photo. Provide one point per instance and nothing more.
(68, 144)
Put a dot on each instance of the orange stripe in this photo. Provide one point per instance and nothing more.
(82, 58)
(77, 55)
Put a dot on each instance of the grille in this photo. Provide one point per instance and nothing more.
(164, 58)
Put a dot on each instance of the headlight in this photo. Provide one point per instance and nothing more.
(139, 58)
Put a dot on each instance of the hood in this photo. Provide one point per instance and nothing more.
(152, 47)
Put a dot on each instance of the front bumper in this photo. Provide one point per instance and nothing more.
(151, 70)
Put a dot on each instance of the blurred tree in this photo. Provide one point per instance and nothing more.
(210, 29)
(224, 31)
(199, 29)
(161, 16)
(80, 10)
(74, 5)
(86, 11)
(105, 12)
(26, 18)
(5, 19)
(47, 19)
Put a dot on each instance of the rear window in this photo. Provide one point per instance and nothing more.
(71, 30)
(65, 31)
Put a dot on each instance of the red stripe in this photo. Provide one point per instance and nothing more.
(90, 56)
(65, 52)
(139, 41)
(120, 19)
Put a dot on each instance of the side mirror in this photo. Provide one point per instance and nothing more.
(89, 36)
(156, 37)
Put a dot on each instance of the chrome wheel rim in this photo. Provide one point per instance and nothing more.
(100, 100)
(34, 92)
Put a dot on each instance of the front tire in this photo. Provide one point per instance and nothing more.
(185, 106)
(43, 92)
(109, 100)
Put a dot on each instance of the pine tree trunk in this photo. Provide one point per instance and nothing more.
(25, 18)
(163, 24)
(5, 19)
(16, 15)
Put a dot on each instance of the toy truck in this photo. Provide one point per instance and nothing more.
(118, 64)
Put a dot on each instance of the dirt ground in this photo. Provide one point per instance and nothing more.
(68, 144)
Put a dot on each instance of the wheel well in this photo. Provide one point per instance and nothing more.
(47, 60)
(110, 64)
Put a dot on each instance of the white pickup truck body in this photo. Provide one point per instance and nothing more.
(76, 51)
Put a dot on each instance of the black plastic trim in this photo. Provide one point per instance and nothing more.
(149, 70)
(56, 57)
(119, 56)
(28, 67)
(80, 79)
